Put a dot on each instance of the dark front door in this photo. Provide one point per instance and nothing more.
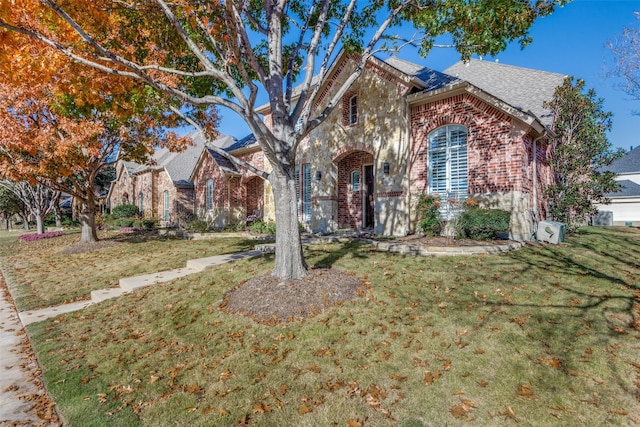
(368, 196)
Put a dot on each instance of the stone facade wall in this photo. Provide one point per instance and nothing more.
(144, 185)
(381, 131)
(123, 188)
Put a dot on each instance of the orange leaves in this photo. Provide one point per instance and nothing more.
(554, 362)
(461, 410)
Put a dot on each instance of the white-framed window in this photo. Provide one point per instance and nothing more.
(208, 197)
(355, 181)
(448, 163)
(303, 191)
(166, 205)
(353, 110)
(141, 204)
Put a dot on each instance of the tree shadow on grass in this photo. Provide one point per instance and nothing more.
(322, 256)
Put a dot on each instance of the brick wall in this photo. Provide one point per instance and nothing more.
(495, 145)
(209, 170)
(349, 201)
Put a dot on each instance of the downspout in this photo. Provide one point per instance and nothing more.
(534, 167)
(407, 135)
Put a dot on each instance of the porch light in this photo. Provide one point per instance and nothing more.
(385, 168)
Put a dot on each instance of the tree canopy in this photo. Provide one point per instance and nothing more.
(581, 151)
(195, 56)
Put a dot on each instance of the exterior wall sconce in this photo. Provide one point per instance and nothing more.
(385, 168)
(318, 175)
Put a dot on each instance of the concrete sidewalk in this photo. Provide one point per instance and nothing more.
(21, 387)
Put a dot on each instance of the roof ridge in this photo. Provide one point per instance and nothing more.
(501, 64)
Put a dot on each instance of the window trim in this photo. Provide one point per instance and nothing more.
(165, 213)
(353, 110)
(353, 182)
(208, 194)
(452, 159)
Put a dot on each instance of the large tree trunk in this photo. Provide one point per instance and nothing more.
(25, 221)
(57, 212)
(39, 223)
(289, 263)
(88, 221)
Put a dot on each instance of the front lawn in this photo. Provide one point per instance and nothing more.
(43, 273)
(542, 336)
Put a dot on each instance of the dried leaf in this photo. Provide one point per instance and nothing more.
(354, 423)
(304, 409)
(524, 390)
(554, 362)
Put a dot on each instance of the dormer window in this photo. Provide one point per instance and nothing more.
(353, 110)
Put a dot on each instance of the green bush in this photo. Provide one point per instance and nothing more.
(124, 222)
(429, 214)
(149, 223)
(197, 226)
(262, 227)
(124, 211)
(482, 224)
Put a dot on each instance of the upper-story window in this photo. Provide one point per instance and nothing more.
(353, 110)
(209, 195)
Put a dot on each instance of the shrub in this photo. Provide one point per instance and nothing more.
(429, 214)
(197, 226)
(31, 237)
(124, 211)
(124, 222)
(149, 223)
(262, 227)
(482, 224)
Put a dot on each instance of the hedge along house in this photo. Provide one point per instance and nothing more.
(225, 194)
(404, 130)
(162, 187)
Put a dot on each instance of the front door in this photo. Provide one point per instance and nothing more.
(368, 196)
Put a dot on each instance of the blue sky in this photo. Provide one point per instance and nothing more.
(572, 41)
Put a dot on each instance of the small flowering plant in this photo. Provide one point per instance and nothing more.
(33, 237)
(429, 215)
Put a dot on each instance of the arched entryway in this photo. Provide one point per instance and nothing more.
(355, 190)
(255, 197)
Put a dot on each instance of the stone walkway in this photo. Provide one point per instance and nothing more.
(19, 374)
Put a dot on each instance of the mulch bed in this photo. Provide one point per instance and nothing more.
(267, 300)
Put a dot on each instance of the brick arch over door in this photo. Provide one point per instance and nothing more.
(255, 196)
(352, 195)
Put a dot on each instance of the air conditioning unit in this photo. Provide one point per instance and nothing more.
(551, 231)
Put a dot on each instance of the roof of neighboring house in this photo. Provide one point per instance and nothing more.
(523, 88)
(245, 142)
(630, 163)
(628, 189)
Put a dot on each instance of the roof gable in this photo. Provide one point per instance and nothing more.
(627, 189)
(523, 88)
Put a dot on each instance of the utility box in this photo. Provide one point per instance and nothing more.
(551, 231)
(602, 218)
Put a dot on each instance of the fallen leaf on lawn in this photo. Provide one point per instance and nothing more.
(524, 390)
(554, 362)
(314, 368)
(208, 410)
(397, 377)
(478, 351)
(191, 409)
(620, 412)
(223, 412)
(354, 423)
(430, 377)
(483, 383)
(509, 413)
(153, 379)
(225, 375)
(304, 409)
(261, 408)
(461, 410)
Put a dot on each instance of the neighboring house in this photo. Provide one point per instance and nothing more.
(404, 130)
(225, 194)
(161, 188)
(625, 204)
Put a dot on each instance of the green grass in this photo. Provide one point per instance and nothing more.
(541, 336)
(43, 276)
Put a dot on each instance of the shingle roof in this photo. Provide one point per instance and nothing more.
(431, 79)
(245, 142)
(523, 88)
(628, 189)
(180, 165)
(226, 143)
(630, 163)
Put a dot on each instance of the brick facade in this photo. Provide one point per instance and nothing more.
(350, 201)
(236, 194)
